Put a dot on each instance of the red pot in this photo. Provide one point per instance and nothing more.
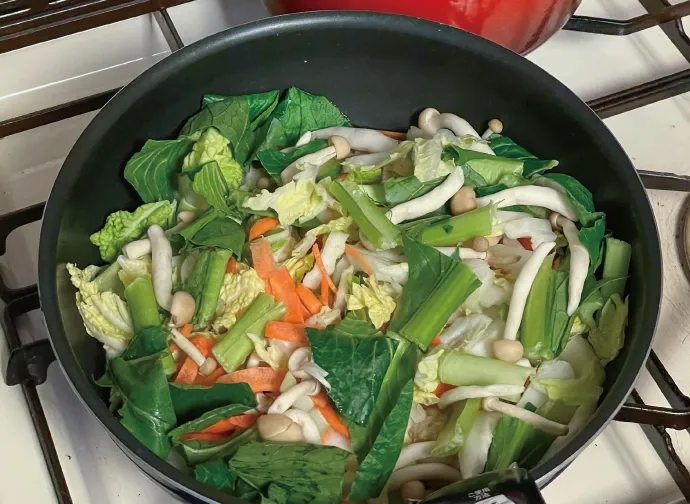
(520, 25)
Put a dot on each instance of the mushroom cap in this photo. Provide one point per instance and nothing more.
(341, 146)
(182, 308)
(425, 118)
(277, 427)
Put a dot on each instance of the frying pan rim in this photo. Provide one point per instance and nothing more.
(100, 125)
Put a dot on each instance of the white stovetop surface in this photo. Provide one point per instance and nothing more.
(620, 466)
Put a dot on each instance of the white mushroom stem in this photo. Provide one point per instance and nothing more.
(495, 126)
(465, 253)
(288, 398)
(140, 248)
(297, 360)
(523, 284)
(333, 249)
(206, 365)
(421, 472)
(431, 120)
(546, 197)
(360, 139)
(541, 423)
(413, 453)
(161, 266)
(433, 200)
(340, 301)
(253, 360)
(263, 402)
(309, 428)
(332, 438)
(315, 159)
(461, 393)
(579, 263)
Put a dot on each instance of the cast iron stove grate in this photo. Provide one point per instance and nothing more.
(27, 22)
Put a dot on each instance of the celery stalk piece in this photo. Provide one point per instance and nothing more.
(235, 347)
(142, 304)
(459, 369)
(535, 331)
(616, 265)
(454, 434)
(460, 228)
(371, 220)
(214, 281)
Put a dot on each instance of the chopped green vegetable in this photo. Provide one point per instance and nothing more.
(214, 276)
(192, 401)
(616, 265)
(212, 147)
(373, 223)
(235, 347)
(207, 419)
(478, 222)
(608, 335)
(457, 368)
(436, 287)
(142, 303)
(402, 189)
(457, 428)
(504, 146)
(275, 161)
(194, 451)
(518, 442)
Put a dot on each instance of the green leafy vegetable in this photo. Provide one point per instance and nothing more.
(437, 286)
(210, 184)
(123, 227)
(305, 473)
(194, 451)
(192, 401)
(591, 237)
(147, 341)
(356, 367)
(151, 169)
(221, 232)
(377, 466)
(414, 229)
(207, 419)
(237, 118)
(215, 473)
(608, 335)
(212, 147)
(482, 169)
(402, 189)
(297, 113)
(275, 161)
(516, 441)
(147, 411)
(616, 265)
(372, 222)
(505, 147)
(365, 176)
(214, 276)
(477, 222)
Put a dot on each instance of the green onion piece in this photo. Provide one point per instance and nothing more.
(460, 228)
(459, 369)
(371, 220)
(616, 264)
(235, 347)
(214, 281)
(535, 330)
(142, 304)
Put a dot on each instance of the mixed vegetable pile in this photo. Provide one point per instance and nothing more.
(312, 312)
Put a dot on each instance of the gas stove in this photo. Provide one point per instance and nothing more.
(633, 69)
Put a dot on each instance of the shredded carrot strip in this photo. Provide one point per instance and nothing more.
(396, 135)
(209, 380)
(436, 341)
(262, 226)
(187, 330)
(284, 290)
(232, 266)
(260, 379)
(262, 260)
(203, 436)
(442, 389)
(322, 268)
(285, 331)
(228, 425)
(357, 256)
(309, 299)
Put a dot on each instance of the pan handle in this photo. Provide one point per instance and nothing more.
(668, 418)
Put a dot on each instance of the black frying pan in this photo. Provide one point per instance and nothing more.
(380, 70)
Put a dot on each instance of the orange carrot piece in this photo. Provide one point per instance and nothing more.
(285, 331)
(320, 400)
(322, 268)
(229, 424)
(357, 256)
(262, 226)
(396, 135)
(186, 330)
(209, 380)
(260, 379)
(324, 289)
(305, 313)
(203, 343)
(203, 436)
(309, 299)
(187, 372)
(262, 259)
(232, 266)
(325, 436)
(436, 341)
(173, 346)
(333, 420)
(342, 176)
(442, 389)
(284, 290)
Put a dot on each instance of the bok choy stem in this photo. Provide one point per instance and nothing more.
(616, 264)
(214, 281)
(142, 304)
(460, 369)
(460, 228)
